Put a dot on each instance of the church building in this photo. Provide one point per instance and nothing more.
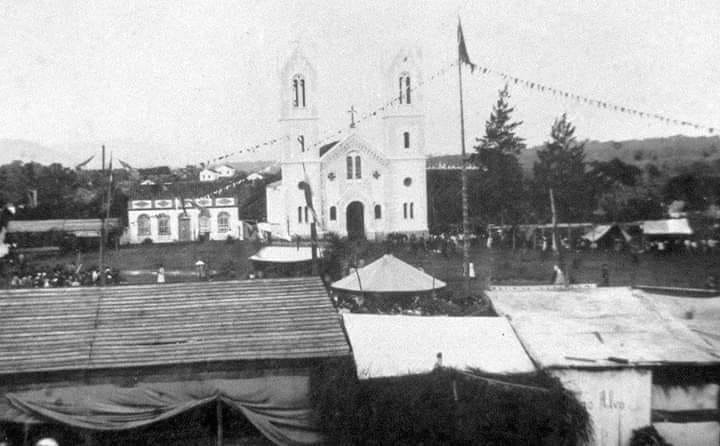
(362, 185)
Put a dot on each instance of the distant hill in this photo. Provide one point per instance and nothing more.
(670, 154)
(256, 166)
(26, 151)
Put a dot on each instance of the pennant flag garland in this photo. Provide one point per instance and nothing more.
(583, 99)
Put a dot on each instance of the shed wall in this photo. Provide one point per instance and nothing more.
(618, 401)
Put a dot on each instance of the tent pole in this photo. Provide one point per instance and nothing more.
(218, 412)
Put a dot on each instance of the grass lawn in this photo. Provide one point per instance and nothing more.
(495, 266)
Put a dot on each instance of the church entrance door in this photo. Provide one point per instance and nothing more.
(185, 235)
(355, 218)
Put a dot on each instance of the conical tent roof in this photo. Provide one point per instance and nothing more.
(388, 274)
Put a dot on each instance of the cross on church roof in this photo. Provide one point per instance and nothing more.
(352, 112)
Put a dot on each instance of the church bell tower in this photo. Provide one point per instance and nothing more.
(403, 122)
(300, 158)
(298, 108)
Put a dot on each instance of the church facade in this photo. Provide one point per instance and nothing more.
(362, 185)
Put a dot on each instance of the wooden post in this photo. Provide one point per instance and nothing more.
(314, 248)
(26, 434)
(218, 413)
(554, 222)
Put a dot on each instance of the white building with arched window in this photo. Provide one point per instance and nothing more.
(180, 212)
(363, 184)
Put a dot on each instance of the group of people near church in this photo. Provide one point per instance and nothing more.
(70, 274)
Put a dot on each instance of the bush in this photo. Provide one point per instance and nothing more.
(423, 409)
(147, 241)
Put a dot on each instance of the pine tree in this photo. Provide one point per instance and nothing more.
(499, 190)
(561, 166)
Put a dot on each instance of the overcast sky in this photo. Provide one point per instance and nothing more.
(174, 82)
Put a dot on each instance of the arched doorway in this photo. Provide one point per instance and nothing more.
(355, 220)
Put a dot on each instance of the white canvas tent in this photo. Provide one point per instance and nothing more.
(669, 227)
(390, 345)
(600, 231)
(284, 254)
(388, 274)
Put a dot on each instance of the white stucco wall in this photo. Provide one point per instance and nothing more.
(619, 401)
(173, 212)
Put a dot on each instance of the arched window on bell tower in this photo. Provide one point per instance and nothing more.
(404, 88)
(298, 91)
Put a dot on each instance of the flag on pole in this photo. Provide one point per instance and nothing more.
(125, 165)
(84, 163)
(462, 49)
(110, 174)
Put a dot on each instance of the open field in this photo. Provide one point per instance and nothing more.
(492, 266)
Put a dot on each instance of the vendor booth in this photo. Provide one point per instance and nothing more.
(102, 362)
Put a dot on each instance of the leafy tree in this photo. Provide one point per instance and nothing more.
(561, 167)
(499, 189)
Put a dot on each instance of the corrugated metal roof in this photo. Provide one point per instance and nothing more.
(165, 324)
(386, 345)
(69, 225)
(598, 327)
(388, 274)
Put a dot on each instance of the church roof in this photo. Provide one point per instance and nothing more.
(388, 274)
(326, 148)
(184, 189)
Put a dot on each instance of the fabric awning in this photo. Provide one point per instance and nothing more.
(388, 274)
(278, 405)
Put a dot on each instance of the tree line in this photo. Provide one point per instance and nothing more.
(597, 191)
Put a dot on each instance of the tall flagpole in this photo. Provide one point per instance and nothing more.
(101, 254)
(463, 176)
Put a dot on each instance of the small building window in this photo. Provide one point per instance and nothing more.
(405, 210)
(407, 181)
(301, 142)
(223, 220)
(300, 214)
(143, 225)
(333, 213)
(412, 214)
(306, 214)
(405, 89)
(358, 167)
(163, 225)
(353, 167)
(406, 140)
(298, 86)
(204, 224)
(378, 212)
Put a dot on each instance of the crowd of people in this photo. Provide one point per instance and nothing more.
(24, 275)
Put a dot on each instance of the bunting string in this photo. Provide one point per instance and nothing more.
(585, 100)
(330, 135)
